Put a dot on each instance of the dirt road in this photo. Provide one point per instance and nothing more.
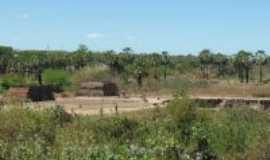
(111, 105)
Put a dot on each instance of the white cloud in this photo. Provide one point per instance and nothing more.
(94, 35)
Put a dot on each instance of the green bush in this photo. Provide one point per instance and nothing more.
(117, 128)
(59, 79)
(184, 114)
(53, 134)
(12, 80)
(60, 116)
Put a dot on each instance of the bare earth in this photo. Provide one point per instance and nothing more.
(109, 105)
(106, 105)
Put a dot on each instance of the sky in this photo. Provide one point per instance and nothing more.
(177, 26)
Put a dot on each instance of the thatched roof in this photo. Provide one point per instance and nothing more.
(90, 93)
(98, 89)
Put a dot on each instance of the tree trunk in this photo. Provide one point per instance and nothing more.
(39, 76)
(247, 75)
(261, 74)
(140, 80)
(165, 74)
(202, 72)
(206, 72)
(240, 73)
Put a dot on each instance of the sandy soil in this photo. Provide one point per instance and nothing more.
(105, 105)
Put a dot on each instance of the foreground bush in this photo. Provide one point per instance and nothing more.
(180, 132)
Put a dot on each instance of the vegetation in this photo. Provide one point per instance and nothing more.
(56, 78)
(182, 131)
(10, 80)
(127, 66)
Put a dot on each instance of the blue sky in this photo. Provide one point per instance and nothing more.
(179, 26)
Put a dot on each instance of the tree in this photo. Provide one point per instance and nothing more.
(156, 62)
(205, 60)
(260, 61)
(128, 50)
(243, 62)
(165, 63)
(220, 61)
(5, 58)
(139, 70)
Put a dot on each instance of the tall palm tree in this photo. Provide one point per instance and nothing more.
(5, 57)
(128, 50)
(243, 62)
(165, 63)
(260, 61)
(220, 61)
(205, 60)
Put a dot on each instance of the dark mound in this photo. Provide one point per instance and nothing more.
(41, 93)
(110, 89)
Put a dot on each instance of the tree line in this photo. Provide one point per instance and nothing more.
(129, 64)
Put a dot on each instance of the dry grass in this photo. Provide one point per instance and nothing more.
(93, 73)
(232, 89)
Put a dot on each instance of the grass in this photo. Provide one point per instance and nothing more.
(230, 89)
(179, 132)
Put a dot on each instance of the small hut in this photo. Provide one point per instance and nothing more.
(95, 89)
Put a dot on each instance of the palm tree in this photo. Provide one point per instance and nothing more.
(243, 62)
(205, 60)
(260, 61)
(220, 61)
(5, 57)
(127, 50)
(156, 62)
(140, 69)
(165, 63)
(81, 57)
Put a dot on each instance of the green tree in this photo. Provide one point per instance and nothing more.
(81, 57)
(220, 61)
(139, 70)
(165, 63)
(5, 58)
(156, 63)
(128, 50)
(205, 61)
(243, 62)
(260, 61)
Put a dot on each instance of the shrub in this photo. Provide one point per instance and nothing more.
(19, 124)
(183, 112)
(60, 116)
(59, 79)
(12, 80)
(118, 128)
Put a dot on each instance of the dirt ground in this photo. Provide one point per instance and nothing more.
(105, 105)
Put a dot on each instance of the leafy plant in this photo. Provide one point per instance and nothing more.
(12, 80)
